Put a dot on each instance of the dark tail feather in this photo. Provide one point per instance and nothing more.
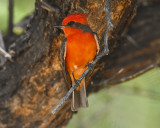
(79, 98)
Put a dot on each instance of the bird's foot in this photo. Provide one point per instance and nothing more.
(89, 65)
(76, 81)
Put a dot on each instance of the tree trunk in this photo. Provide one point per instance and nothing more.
(33, 84)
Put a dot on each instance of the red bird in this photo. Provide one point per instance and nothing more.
(79, 48)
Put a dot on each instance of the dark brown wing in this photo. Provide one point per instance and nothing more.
(62, 59)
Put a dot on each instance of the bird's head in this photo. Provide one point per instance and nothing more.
(70, 20)
(79, 18)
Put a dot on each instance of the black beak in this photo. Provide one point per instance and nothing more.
(61, 26)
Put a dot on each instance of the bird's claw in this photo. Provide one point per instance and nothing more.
(76, 82)
(89, 65)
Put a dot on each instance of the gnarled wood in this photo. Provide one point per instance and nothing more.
(138, 50)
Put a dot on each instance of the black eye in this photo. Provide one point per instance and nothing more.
(71, 23)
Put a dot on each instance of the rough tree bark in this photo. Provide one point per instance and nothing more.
(32, 85)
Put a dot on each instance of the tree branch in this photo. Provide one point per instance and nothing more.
(10, 21)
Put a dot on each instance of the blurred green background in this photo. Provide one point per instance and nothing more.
(132, 104)
(21, 9)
